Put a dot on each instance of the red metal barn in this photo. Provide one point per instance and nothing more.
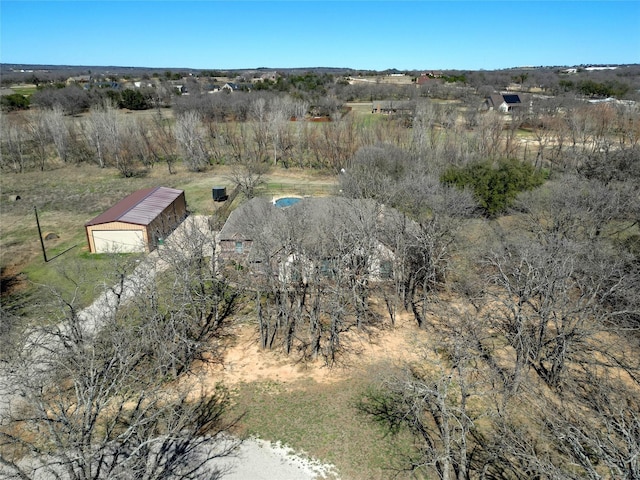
(138, 223)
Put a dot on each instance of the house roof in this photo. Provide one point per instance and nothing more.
(139, 208)
(240, 222)
(315, 222)
(512, 99)
(496, 99)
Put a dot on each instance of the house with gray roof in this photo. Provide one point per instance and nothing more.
(503, 103)
(325, 233)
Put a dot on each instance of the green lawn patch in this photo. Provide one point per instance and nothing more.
(322, 421)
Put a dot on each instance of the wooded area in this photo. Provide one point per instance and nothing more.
(513, 239)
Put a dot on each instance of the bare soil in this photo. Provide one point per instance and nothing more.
(245, 362)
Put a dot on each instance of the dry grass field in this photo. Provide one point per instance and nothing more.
(68, 196)
(385, 79)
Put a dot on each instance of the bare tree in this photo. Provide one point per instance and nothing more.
(536, 313)
(581, 209)
(40, 137)
(102, 131)
(312, 268)
(597, 424)
(375, 172)
(336, 143)
(426, 132)
(281, 110)
(236, 138)
(259, 114)
(89, 396)
(602, 119)
(433, 398)
(248, 175)
(160, 140)
(92, 409)
(189, 135)
(424, 238)
(628, 126)
(560, 288)
(489, 134)
(15, 143)
(132, 148)
(55, 121)
(72, 99)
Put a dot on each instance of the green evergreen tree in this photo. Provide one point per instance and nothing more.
(495, 185)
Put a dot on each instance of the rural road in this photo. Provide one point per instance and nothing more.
(255, 459)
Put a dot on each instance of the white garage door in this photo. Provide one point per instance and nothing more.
(118, 241)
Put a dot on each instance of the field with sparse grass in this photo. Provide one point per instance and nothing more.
(68, 196)
(24, 89)
(312, 408)
(322, 421)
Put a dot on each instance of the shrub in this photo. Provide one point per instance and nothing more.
(15, 101)
(133, 100)
(495, 185)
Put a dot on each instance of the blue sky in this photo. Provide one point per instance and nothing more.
(360, 34)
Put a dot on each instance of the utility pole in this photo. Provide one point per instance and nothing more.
(44, 252)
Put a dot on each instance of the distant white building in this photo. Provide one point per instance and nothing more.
(591, 69)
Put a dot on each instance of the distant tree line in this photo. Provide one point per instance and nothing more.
(273, 128)
(314, 86)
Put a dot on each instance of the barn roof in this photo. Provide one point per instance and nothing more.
(139, 208)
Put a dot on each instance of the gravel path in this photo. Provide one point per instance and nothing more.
(260, 460)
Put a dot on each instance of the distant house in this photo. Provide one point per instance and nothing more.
(235, 87)
(307, 236)
(143, 84)
(388, 107)
(424, 80)
(79, 80)
(179, 86)
(503, 103)
(111, 84)
(268, 76)
(230, 87)
(426, 76)
(138, 223)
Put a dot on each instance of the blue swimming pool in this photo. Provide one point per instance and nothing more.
(286, 201)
